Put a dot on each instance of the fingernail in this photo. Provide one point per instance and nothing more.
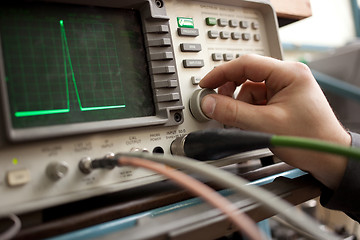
(208, 105)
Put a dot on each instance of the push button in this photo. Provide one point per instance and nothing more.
(162, 56)
(235, 35)
(255, 25)
(233, 23)
(217, 56)
(188, 32)
(158, 29)
(169, 83)
(244, 24)
(224, 35)
(246, 36)
(18, 177)
(210, 21)
(168, 97)
(190, 47)
(213, 34)
(228, 56)
(193, 63)
(222, 22)
(159, 42)
(163, 70)
(195, 80)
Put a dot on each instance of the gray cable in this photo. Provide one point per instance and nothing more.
(13, 230)
(267, 199)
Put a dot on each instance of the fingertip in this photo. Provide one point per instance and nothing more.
(208, 105)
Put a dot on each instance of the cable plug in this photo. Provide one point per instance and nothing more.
(108, 163)
(87, 165)
(212, 144)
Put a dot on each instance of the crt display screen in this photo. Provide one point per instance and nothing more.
(73, 64)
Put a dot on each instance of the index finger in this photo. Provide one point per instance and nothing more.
(250, 67)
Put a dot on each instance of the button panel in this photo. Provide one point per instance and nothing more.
(227, 36)
(237, 33)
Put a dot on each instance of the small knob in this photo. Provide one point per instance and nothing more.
(57, 170)
(195, 104)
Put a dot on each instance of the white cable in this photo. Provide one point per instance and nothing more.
(268, 200)
(13, 230)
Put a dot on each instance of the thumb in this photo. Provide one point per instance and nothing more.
(231, 112)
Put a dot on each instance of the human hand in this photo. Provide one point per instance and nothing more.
(281, 98)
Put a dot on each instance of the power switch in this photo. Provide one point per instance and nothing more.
(195, 104)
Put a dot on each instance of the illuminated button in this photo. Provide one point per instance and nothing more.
(162, 56)
(168, 97)
(188, 32)
(213, 34)
(257, 37)
(235, 35)
(158, 29)
(195, 80)
(217, 56)
(222, 22)
(169, 83)
(163, 70)
(193, 63)
(228, 56)
(190, 47)
(210, 21)
(159, 42)
(185, 22)
(17, 177)
(224, 35)
(244, 24)
(246, 36)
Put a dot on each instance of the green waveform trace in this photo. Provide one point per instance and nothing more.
(67, 57)
(41, 112)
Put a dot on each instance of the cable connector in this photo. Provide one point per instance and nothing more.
(212, 144)
(86, 165)
(107, 163)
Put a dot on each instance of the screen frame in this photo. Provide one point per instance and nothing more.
(168, 112)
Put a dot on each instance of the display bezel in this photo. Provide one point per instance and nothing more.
(168, 112)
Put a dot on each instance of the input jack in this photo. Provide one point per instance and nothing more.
(85, 165)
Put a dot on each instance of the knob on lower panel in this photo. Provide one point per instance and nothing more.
(195, 104)
(57, 170)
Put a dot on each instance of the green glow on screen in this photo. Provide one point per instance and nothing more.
(67, 57)
(69, 64)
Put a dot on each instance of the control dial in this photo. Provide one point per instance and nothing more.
(195, 104)
(57, 170)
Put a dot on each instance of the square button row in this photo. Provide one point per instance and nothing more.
(224, 56)
(213, 34)
(223, 22)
